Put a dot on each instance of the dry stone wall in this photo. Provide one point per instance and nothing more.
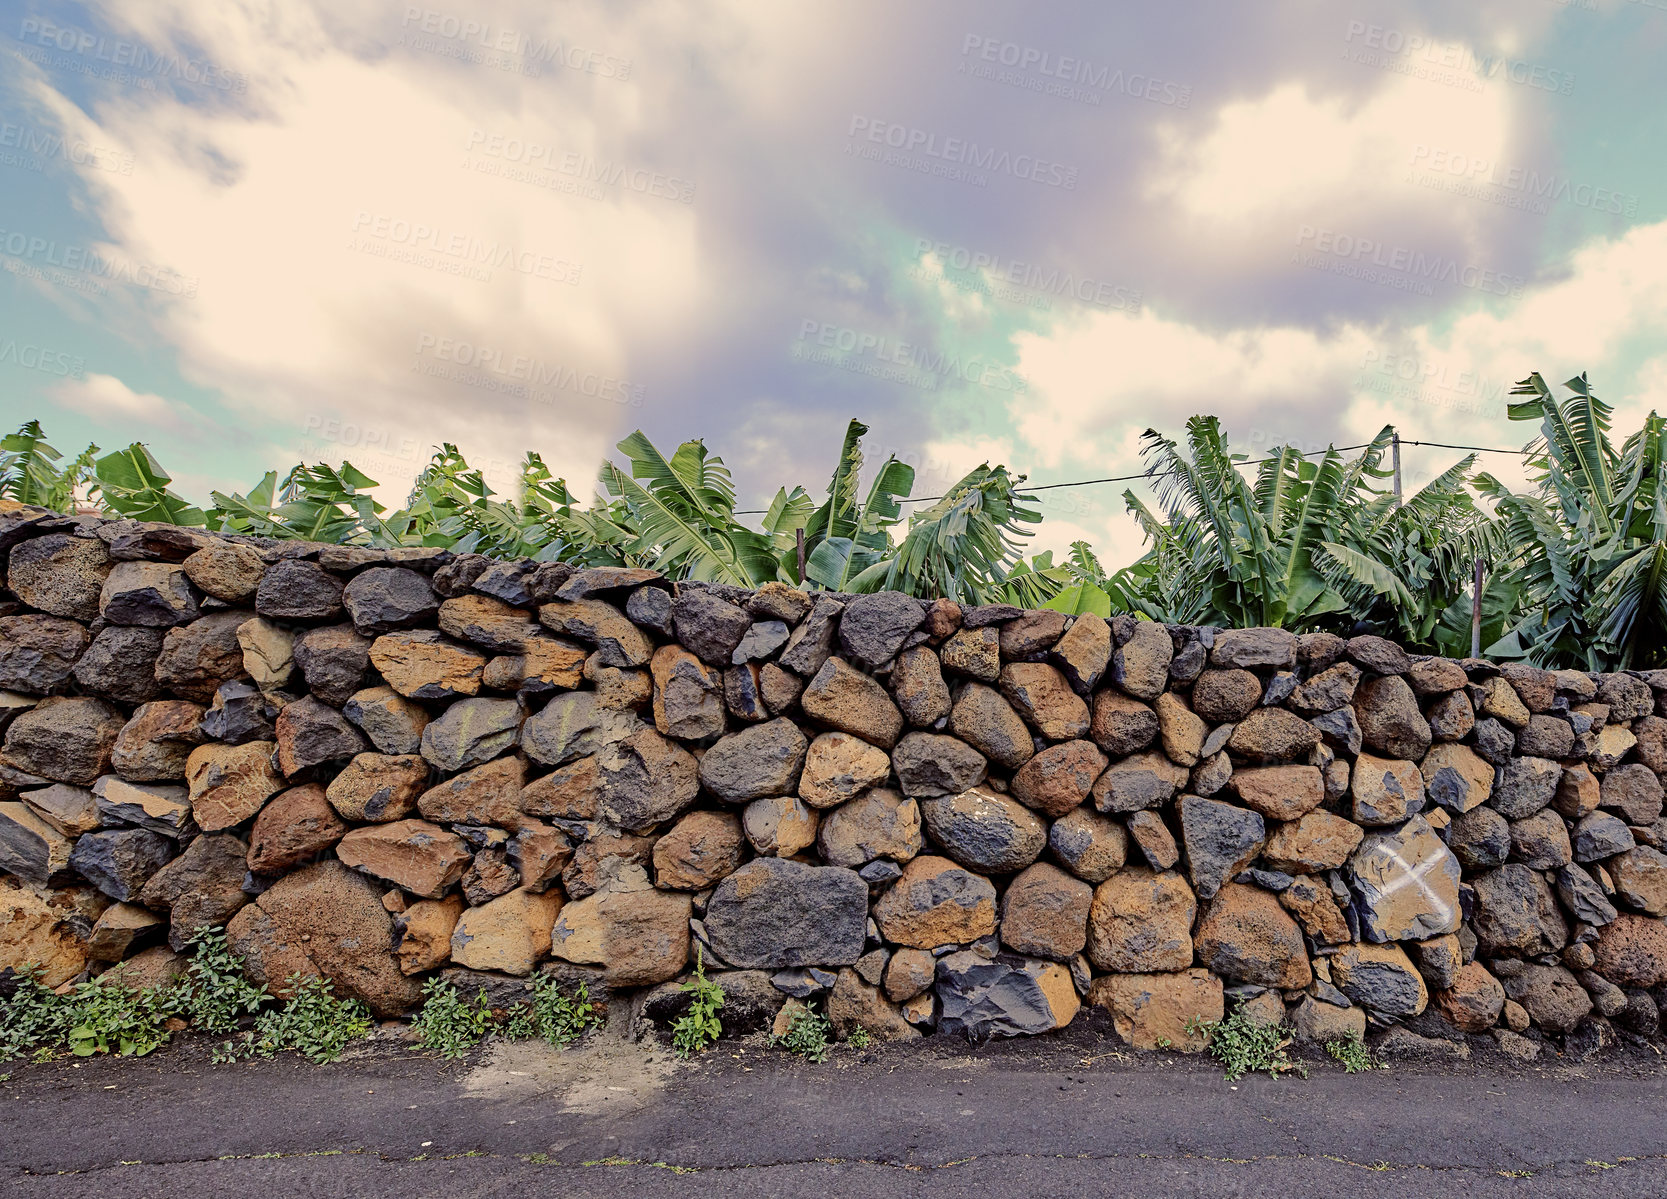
(376, 765)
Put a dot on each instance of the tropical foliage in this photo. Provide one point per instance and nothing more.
(1575, 567)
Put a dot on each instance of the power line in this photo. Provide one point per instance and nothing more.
(923, 499)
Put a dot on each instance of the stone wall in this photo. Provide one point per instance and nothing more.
(377, 765)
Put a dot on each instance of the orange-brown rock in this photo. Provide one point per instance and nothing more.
(417, 856)
(1160, 1011)
(1246, 936)
(1140, 922)
(230, 783)
(379, 787)
(1279, 792)
(936, 903)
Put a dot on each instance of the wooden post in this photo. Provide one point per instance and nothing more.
(800, 534)
(1395, 449)
(1476, 612)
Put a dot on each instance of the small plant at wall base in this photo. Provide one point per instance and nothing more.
(808, 1034)
(699, 1027)
(553, 1015)
(1246, 1046)
(1351, 1053)
(449, 1024)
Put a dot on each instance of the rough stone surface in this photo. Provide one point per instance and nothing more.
(1246, 936)
(774, 912)
(1140, 921)
(984, 830)
(1004, 996)
(1160, 1011)
(1219, 840)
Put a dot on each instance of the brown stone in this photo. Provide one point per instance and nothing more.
(1084, 652)
(688, 695)
(414, 855)
(1183, 732)
(324, 920)
(1474, 1001)
(908, 973)
(698, 851)
(486, 794)
(1226, 696)
(779, 826)
(839, 767)
(918, 685)
(1147, 780)
(393, 723)
(602, 857)
(936, 903)
(1312, 903)
(508, 934)
(1631, 951)
(1391, 722)
(1140, 922)
(1140, 665)
(1157, 844)
(1451, 717)
(310, 733)
(1381, 978)
(600, 624)
(201, 887)
(974, 654)
(1329, 690)
(855, 1003)
(984, 720)
(427, 665)
(879, 823)
(297, 826)
(59, 574)
(490, 875)
(1500, 701)
(379, 787)
(638, 935)
(1273, 735)
(1120, 725)
(422, 934)
(843, 698)
(1044, 913)
(119, 928)
(1246, 936)
(155, 743)
(1059, 778)
(31, 848)
(1317, 842)
(197, 657)
(488, 623)
(226, 570)
(268, 653)
(230, 783)
(568, 793)
(1578, 792)
(1456, 777)
(38, 654)
(1279, 792)
(1044, 700)
(1089, 845)
(1167, 1011)
(63, 740)
(34, 933)
(1385, 791)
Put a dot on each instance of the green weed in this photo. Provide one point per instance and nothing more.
(1352, 1054)
(449, 1024)
(1245, 1046)
(699, 1027)
(808, 1034)
(556, 1017)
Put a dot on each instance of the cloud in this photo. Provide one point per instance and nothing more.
(109, 400)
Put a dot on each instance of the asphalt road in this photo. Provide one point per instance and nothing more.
(1066, 1117)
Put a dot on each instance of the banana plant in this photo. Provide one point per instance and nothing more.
(846, 536)
(1307, 542)
(967, 547)
(1588, 545)
(132, 483)
(30, 474)
(682, 514)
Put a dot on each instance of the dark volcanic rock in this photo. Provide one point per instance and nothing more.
(775, 912)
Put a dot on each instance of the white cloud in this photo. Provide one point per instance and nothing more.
(107, 399)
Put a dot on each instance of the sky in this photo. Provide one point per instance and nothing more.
(256, 233)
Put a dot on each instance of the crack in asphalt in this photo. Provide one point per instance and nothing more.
(541, 1161)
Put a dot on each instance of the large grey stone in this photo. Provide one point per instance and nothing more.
(775, 912)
